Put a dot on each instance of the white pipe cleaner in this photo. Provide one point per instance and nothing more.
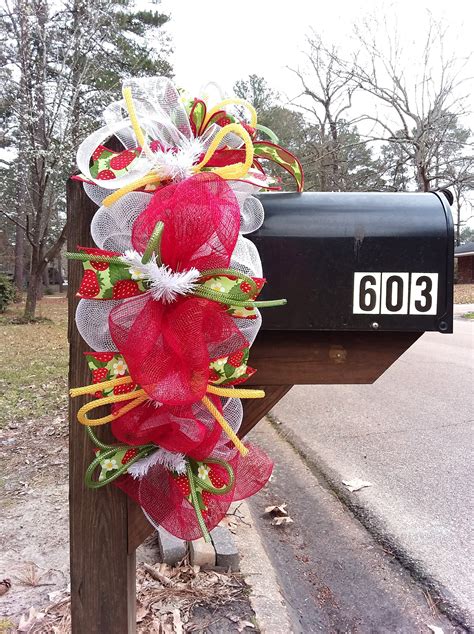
(169, 459)
(165, 284)
(177, 163)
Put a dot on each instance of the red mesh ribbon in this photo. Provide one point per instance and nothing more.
(202, 220)
(165, 504)
(168, 347)
(182, 429)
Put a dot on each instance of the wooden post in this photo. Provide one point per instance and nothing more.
(102, 570)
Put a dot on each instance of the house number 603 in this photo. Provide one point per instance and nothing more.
(395, 293)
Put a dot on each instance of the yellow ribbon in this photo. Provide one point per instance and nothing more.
(235, 392)
(136, 397)
(127, 95)
(237, 170)
(139, 396)
(228, 172)
(225, 426)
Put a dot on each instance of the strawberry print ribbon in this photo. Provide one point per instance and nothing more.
(181, 284)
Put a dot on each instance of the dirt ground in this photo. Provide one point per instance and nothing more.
(34, 548)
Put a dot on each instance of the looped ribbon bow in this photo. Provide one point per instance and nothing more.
(191, 503)
(169, 333)
(166, 141)
(197, 483)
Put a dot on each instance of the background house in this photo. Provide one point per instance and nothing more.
(465, 260)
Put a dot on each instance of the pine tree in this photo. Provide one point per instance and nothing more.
(63, 64)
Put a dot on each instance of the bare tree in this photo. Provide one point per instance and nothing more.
(423, 97)
(65, 56)
(461, 174)
(334, 149)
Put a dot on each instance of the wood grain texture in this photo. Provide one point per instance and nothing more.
(256, 409)
(138, 526)
(102, 570)
(312, 358)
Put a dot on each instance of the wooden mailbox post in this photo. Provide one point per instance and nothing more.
(105, 525)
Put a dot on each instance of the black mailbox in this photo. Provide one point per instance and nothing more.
(358, 261)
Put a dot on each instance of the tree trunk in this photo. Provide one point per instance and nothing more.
(38, 264)
(60, 274)
(32, 296)
(458, 218)
(19, 260)
(45, 279)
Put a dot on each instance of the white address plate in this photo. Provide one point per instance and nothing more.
(395, 294)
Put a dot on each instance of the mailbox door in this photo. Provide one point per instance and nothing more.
(358, 261)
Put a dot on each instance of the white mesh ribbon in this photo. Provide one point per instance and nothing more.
(165, 124)
(251, 209)
(162, 118)
(111, 227)
(92, 320)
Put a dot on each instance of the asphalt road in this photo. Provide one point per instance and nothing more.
(410, 435)
(333, 576)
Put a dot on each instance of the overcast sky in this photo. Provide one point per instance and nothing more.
(221, 41)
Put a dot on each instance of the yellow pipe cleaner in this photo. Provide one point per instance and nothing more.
(225, 426)
(235, 392)
(136, 398)
(127, 95)
(105, 385)
(228, 172)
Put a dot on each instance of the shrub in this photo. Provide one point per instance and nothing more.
(7, 293)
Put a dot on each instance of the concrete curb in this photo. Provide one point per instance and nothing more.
(461, 309)
(265, 596)
(329, 478)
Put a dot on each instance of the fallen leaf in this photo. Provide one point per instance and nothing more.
(277, 509)
(5, 586)
(435, 629)
(55, 595)
(142, 612)
(356, 484)
(278, 521)
(177, 622)
(27, 622)
(229, 522)
(241, 625)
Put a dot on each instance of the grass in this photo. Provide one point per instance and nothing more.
(33, 372)
(469, 315)
(6, 626)
(464, 293)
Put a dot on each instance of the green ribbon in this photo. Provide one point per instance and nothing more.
(270, 134)
(107, 451)
(196, 483)
(153, 247)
